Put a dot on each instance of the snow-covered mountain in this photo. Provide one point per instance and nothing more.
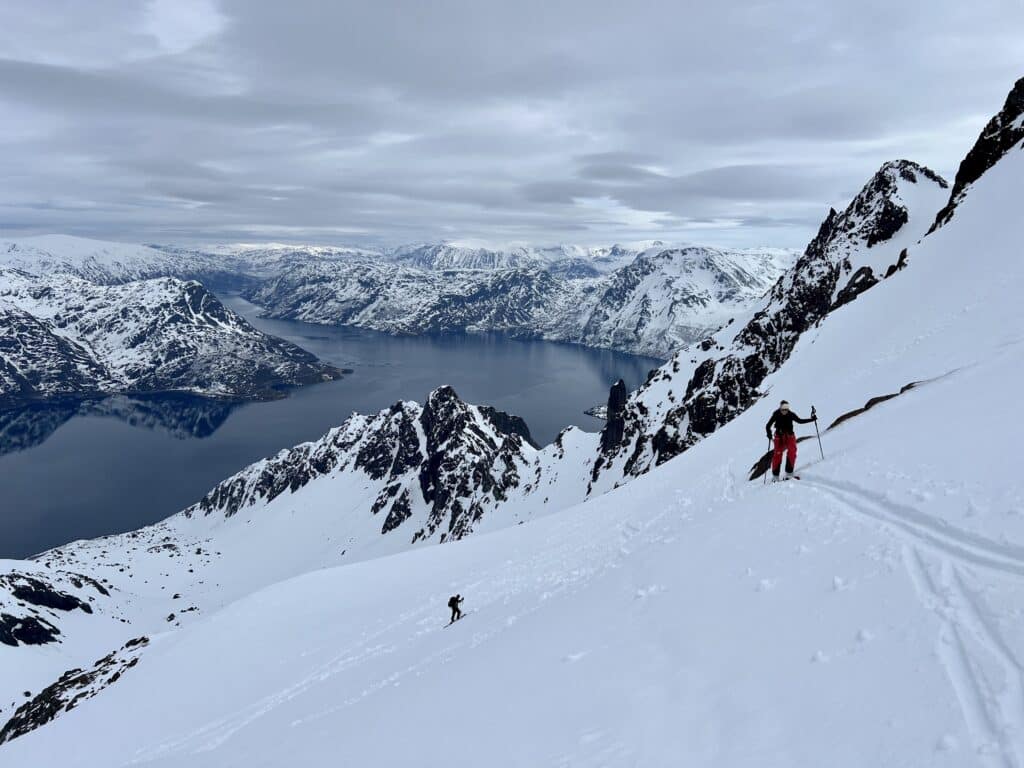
(66, 336)
(868, 614)
(447, 256)
(109, 263)
(569, 261)
(661, 301)
(644, 298)
(665, 300)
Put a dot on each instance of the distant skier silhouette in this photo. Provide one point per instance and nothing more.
(454, 602)
(785, 438)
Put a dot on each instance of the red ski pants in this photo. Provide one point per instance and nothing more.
(787, 444)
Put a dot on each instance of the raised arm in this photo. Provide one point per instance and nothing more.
(798, 420)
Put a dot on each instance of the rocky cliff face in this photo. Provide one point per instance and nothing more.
(435, 469)
(64, 336)
(692, 396)
(1004, 132)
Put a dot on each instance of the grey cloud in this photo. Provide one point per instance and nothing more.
(733, 123)
(621, 172)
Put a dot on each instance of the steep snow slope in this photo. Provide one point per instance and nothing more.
(661, 301)
(63, 335)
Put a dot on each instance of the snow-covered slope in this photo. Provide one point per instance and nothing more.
(564, 260)
(662, 300)
(109, 263)
(668, 299)
(447, 256)
(65, 336)
(868, 614)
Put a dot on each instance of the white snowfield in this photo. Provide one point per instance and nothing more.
(869, 614)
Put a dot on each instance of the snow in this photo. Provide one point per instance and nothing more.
(70, 336)
(702, 622)
(661, 300)
(868, 614)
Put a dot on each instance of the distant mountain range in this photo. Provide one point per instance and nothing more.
(659, 301)
(642, 298)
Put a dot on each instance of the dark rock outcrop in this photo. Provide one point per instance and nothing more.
(26, 630)
(445, 460)
(613, 430)
(37, 592)
(722, 387)
(73, 687)
(1002, 133)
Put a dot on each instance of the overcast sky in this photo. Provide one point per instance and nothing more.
(587, 121)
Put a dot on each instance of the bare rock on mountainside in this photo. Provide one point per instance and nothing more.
(1002, 133)
(855, 242)
(73, 687)
(446, 461)
(67, 337)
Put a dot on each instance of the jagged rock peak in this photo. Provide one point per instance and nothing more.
(908, 170)
(1003, 132)
(444, 463)
(877, 212)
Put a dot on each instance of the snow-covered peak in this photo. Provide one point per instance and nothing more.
(66, 336)
(883, 206)
(434, 469)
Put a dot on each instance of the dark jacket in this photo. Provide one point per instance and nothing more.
(784, 422)
(454, 601)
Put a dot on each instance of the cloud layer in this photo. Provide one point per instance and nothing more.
(584, 121)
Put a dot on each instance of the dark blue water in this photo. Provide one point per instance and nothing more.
(83, 470)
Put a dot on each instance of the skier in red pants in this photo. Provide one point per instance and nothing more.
(785, 439)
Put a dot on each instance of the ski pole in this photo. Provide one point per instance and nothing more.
(769, 462)
(814, 416)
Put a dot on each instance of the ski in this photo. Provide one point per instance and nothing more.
(464, 615)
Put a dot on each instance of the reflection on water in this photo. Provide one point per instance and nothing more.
(179, 416)
(79, 470)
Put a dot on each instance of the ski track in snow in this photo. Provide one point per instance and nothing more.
(947, 540)
(969, 644)
(501, 584)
